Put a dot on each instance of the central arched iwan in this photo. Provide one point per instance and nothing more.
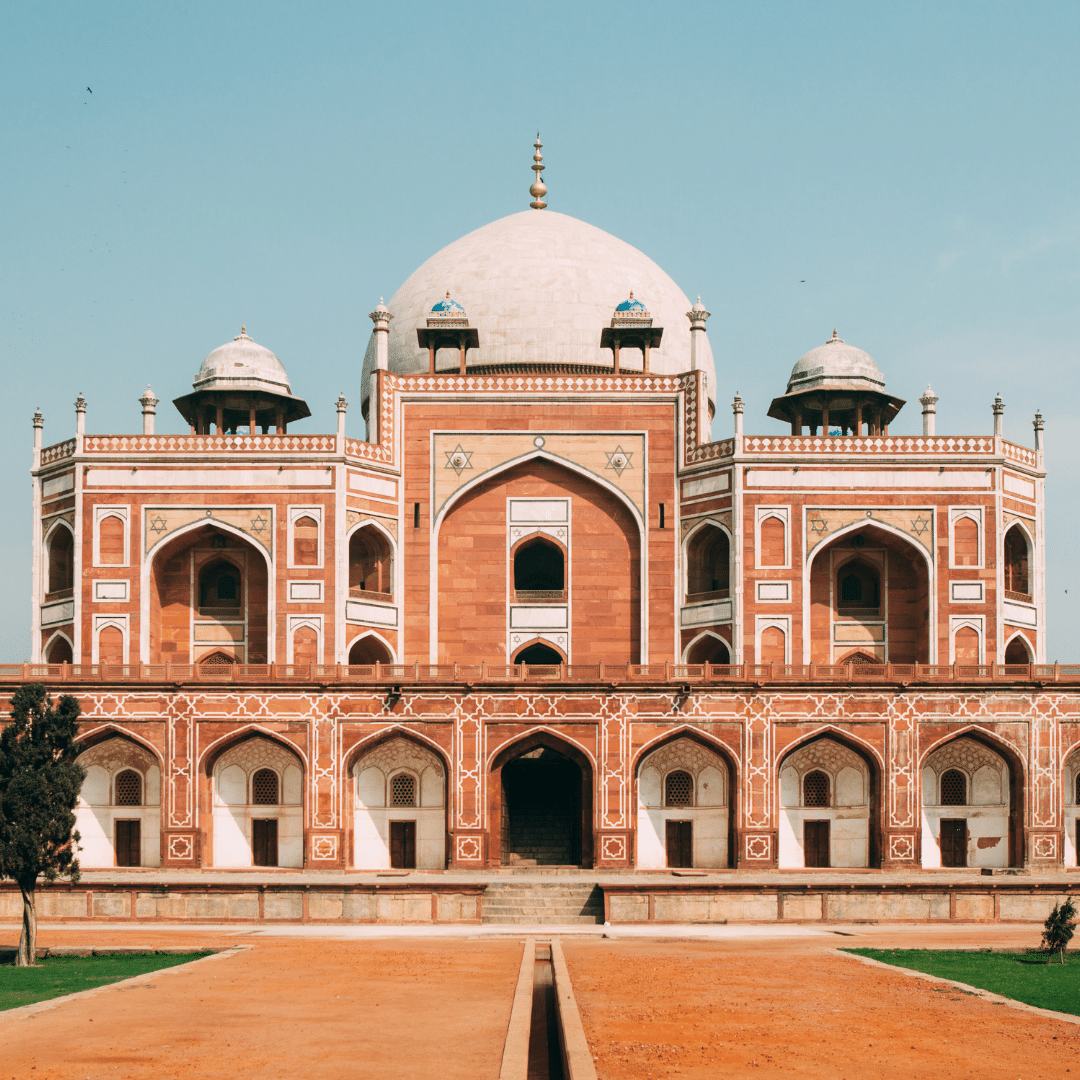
(602, 573)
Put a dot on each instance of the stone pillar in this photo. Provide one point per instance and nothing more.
(737, 409)
(381, 318)
(999, 415)
(1037, 424)
(80, 416)
(149, 410)
(697, 316)
(39, 423)
(929, 411)
(342, 405)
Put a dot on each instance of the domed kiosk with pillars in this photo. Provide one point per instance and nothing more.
(538, 618)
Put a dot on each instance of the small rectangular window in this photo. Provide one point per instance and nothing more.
(661, 515)
(416, 515)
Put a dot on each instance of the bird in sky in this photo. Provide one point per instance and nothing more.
(88, 90)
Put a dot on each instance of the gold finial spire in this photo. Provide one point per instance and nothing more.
(538, 189)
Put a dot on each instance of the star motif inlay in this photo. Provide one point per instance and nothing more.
(259, 524)
(157, 524)
(819, 525)
(920, 525)
(458, 459)
(619, 460)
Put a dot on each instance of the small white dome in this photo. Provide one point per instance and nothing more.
(539, 287)
(242, 364)
(835, 365)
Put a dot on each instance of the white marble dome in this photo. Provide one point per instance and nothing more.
(242, 364)
(833, 366)
(539, 287)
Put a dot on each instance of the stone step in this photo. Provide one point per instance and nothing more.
(540, 920)
(522, 909)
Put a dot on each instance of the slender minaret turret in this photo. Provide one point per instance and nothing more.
(697, 316)
(929, 410)
(381, 318)
(999, 415)
(149, 409)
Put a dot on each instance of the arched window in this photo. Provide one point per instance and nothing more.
(678, 789)
(371, 566)
(369, 650)
(816, 789)
(1017, 652)
(708, 565)
(403, 790)
(111, 541)
(305, 542)
(965, 542)
(858, 589)
(1017, 571)
(539, 571)
(129, 788)
(538, 654)
(953, 788)
(264, 788)
(773, 534)
(59, 651)
(218, 659)
(61, 561)
(219, 589)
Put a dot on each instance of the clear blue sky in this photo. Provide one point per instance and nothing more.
(905, 172)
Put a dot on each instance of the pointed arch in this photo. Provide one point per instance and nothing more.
(367, 743)
(1029, 648)
(706, 635)
(1017, 780)
(104, 732)
(374, 635)
(210, 754)
(58, 636)
(519, 649)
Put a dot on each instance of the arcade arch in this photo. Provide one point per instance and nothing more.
(118, 814)
(969, 814)
(540, 804)
(683, 817)
(827, 806)
(399, 810)
(249, 829)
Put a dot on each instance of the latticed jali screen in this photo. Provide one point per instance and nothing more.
(129, 789)
(679, 789)
(954, 788)
(816, 789)
(264, 788)
(402, 790)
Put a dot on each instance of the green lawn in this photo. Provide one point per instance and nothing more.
(56, 976)
(1022, 976)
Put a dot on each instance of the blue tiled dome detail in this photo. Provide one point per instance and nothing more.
(448, 307)
(632, 305)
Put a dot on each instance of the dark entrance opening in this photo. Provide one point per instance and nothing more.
(538, 654)
(403, 845)
(954, 841)
(264, 841)
(129, 843)
(816, 843)
(680, 843)
(541, 810)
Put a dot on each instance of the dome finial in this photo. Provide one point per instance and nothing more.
(538, 189)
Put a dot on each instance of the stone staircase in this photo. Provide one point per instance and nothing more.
(544, 903)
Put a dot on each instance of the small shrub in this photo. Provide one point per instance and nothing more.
(1058, 929)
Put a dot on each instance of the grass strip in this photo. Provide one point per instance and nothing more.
(58, 975)
(1023, 977)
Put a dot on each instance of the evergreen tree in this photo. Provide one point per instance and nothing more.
(39, 786)
(1058, 929)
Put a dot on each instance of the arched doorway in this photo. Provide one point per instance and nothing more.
(972, 813)
(399, 815)
(683, 817)
(538, 653)
(368, 650)
(258, 805)
(828, 807)
(118, 814)
(540, 804)
(708, 649)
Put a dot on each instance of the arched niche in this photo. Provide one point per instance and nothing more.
(886, 615)
(683, 812)
(371, 564)
(118, 820)
(708, 565)
(59, 562)
(1018, 650)
(708, 648)
(399, 805)
(247, 830)
(539, 652)
(987, 829)
(540, 803)
(1018, 564)
(539, 570)
(369, 649)
(828, 799)
(208, 593)
(1070, 784)
(59, 650)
